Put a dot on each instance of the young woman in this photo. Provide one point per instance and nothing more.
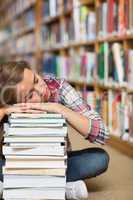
(23, 90)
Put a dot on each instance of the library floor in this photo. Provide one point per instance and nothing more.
(117, 182)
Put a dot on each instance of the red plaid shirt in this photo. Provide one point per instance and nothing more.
(64, 93)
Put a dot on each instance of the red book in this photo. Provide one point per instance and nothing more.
(122, 28)
(110, 16)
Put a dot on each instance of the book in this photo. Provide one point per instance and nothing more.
(36, 131)
(34, 144)
(32, 163)
(11, 157)
(35, 193)
(40, 171)
(39, 150)
(33, 181)
(37, 115)
(26, 139)
(37, 120)
(36, 125)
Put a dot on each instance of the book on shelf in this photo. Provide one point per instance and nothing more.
(24, 23)
(67, 5)
(51, 8)
(75, 66)
(115, 18)
(112, 64)
(80, 25)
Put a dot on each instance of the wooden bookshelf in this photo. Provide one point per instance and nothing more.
(62, 48)
(122, 146)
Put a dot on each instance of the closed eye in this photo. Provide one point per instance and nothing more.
(30, 95)
(35, 80)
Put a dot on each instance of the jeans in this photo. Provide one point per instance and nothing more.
(86, 163)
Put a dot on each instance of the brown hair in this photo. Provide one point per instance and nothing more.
(11, 73)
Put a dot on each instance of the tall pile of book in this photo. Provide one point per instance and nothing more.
(35, 152)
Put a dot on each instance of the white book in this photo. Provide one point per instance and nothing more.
(116, 49)
(35, 125)
(41, 171)
(20, 131)
(25, 139)
(35, 193)
(54, 151)
(32, 145)
(29, 181)
(10, 157)
(37, 120)
(32, 164)
(37, 115)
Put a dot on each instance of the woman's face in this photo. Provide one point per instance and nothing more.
(32, 89)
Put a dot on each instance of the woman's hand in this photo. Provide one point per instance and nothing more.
(17, 108)
(42, 107)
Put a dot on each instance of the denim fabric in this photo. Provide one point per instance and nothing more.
(86, 163)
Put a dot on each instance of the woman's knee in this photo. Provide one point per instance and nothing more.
(104, 160)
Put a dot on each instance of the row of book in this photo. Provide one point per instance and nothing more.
(115, 17)
(22, 45)
(114, 64)
(35, 156)
(111, 64)
(25, 22)
(15, 9)
(116, 109)
(75, 66)
(79, 26)
(51, 8)
(120, 123)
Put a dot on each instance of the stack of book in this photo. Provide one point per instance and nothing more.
(35, 153)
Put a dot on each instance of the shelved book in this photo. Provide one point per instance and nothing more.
(75, 66)
(114, 64)
(115, 18)
(35, 153)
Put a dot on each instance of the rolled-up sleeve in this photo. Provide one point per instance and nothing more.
(97, 131)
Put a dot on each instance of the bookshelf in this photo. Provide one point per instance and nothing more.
(68, 34)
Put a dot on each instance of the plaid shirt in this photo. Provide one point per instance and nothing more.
(62, 92)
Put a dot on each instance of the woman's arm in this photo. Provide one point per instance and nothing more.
(78, 121)
(15, 108)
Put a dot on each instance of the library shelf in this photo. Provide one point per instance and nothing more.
(31, 52)
(17, 15)
(58, 47)
(114, 38)
(80, 83)
(24, 32)
(123, 146)
(48, 19)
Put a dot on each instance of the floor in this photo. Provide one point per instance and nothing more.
(117, 182)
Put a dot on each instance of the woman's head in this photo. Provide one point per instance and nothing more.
(18, 83)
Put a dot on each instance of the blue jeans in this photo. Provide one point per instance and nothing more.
(86, 163)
